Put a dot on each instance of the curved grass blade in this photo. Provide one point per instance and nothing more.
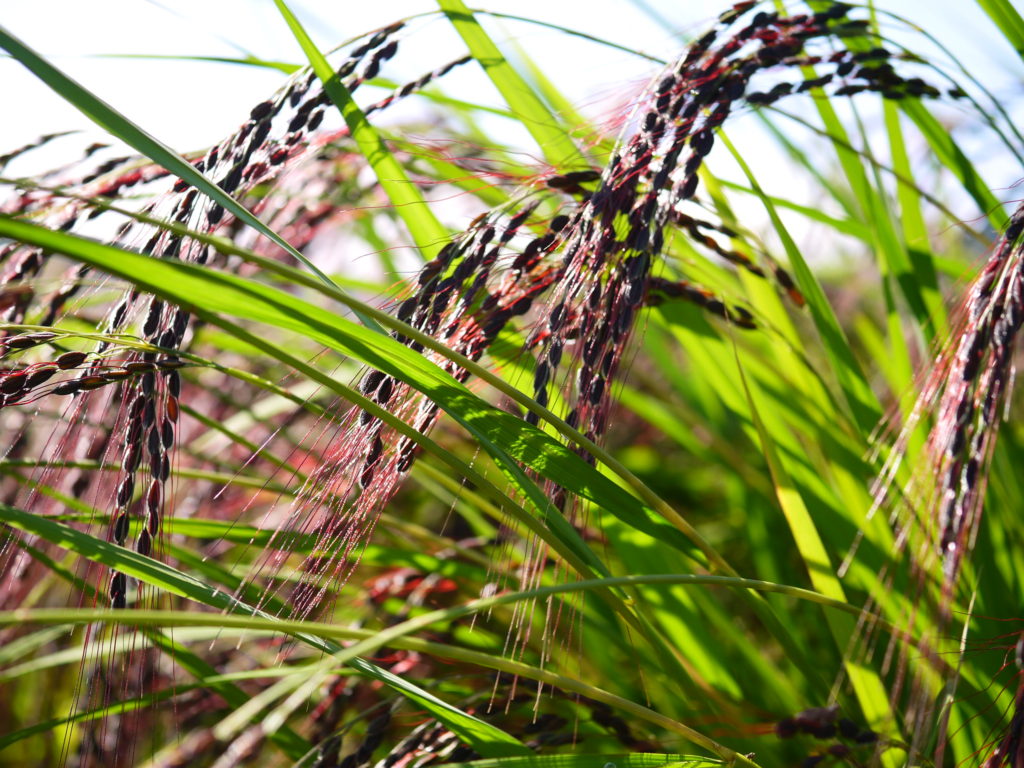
(246, 61)
(573, 33)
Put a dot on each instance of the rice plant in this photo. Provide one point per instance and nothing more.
(590, 467)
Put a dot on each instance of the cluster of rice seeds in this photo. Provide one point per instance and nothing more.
(462, 298)
(28, 382)
(849, 740)
(975, 385)
(23, 262)
(618, 230)
(852, 72)
(149, 392)
(146, 423)
(659, 290)
(428, 744)
(698, 231)
(612, 237)
(19, 151)
(968, 389)
(148, 432)
(414, 86)
(25, 384)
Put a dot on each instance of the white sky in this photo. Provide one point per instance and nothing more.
(191, 105)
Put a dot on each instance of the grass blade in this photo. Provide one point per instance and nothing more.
(545, 128)
(120, 126)
(1009, 21)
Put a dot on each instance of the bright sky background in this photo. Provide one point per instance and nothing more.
(191, 105)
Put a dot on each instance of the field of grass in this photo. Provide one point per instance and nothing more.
(607, 452)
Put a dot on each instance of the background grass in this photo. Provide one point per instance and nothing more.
(711, 582)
